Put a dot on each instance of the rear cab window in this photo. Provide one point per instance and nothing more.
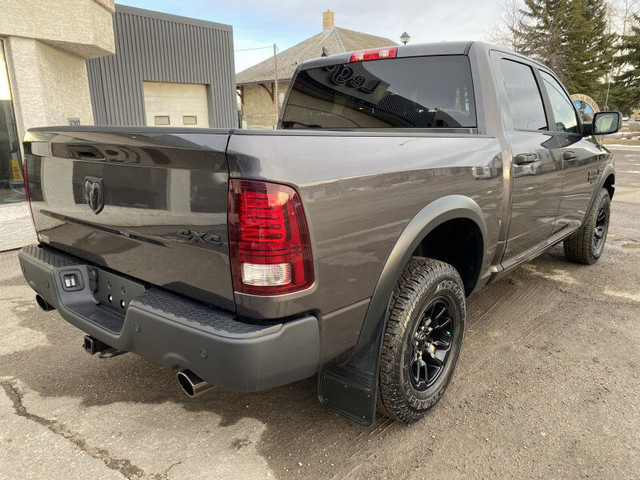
(413, 92)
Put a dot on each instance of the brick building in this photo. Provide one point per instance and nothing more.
(256, 85)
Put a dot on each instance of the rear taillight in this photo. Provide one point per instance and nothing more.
(26, 188)
(268, 239)
(376, 54)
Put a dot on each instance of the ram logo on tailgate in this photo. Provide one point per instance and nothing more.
(94, 193)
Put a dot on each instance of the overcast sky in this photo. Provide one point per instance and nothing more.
(261, 23)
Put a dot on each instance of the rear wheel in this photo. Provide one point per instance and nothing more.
(422, 339)
(586, 245)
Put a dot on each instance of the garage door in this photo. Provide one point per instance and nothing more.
(176, 104)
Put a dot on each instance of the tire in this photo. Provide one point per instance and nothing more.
(427, 289)
(586, 245)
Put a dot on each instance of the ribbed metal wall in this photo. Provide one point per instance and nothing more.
(156, 47)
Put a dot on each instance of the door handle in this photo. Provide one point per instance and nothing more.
(569, 155)
(524, 158)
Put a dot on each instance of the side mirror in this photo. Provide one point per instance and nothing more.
(604, 123)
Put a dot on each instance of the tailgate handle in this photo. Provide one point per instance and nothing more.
(85, 152)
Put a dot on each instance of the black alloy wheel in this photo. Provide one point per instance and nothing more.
(432, 340)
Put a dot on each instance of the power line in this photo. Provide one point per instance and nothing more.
(256, 48)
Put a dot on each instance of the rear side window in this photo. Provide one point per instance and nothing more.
(417, 92)
(564, 113)
(525, 102)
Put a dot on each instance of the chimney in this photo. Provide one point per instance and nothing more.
(327, 21)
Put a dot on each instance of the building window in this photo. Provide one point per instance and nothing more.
(162, 120)
(11, 183)
(189, 120)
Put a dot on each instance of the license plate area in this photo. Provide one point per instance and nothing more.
(113, 291)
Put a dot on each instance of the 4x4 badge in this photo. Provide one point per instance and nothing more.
(94, 193)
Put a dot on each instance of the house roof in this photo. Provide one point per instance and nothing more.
(335, 40)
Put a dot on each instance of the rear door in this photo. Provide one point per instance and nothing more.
(150, 203)
(536, 174)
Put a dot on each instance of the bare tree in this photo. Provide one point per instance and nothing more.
(622, 15)
(505, 30)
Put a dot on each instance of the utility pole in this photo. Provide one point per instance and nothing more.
(275, 85)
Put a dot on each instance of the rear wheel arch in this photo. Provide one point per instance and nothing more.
(458, 242)
(433, 219)
(451, 218)
(437, 218)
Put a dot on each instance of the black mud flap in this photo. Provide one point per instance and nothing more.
(349, 391)
(351, 388)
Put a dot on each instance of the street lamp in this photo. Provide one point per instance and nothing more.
(405, 37)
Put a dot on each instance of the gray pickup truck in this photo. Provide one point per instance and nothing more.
(343, 244)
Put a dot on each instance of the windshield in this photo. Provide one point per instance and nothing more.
(415, 92)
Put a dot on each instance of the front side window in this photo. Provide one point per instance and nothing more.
(563, 111)
(525, 102)
(415, 92)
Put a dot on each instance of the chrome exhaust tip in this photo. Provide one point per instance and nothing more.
(43, 304)
(192, 384)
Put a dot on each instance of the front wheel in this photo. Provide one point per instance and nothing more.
(586, 245)
(422, 339)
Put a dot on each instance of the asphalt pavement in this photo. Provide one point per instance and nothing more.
(547, 386)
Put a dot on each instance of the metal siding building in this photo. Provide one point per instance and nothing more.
(173, 51)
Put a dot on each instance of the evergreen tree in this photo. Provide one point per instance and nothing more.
(543, 32)
(591, 50)
(571, 37)
(625, 93)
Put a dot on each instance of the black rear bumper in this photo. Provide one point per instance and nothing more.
(173, 330)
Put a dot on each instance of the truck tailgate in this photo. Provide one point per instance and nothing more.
(147, 202)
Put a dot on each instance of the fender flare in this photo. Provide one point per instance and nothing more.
(350, 388)
(607, 171)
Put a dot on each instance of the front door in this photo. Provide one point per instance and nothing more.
(582, 158)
